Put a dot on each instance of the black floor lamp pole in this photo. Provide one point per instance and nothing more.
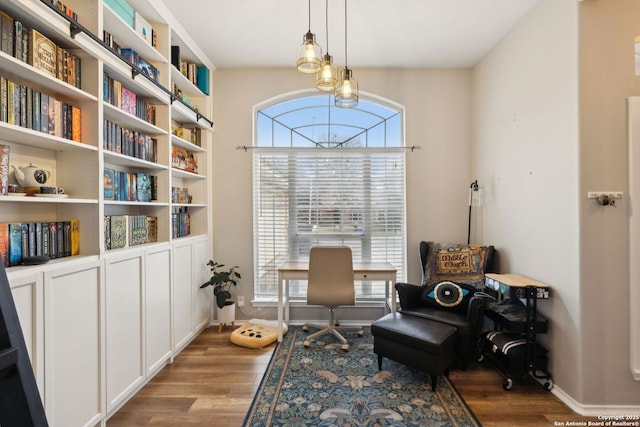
(473, 187)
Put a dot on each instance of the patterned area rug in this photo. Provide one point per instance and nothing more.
(325, 386)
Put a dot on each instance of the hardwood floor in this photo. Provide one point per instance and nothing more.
(212, 383)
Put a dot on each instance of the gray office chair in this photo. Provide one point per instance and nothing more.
(331, 285)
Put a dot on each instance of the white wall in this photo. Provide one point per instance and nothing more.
(526, 155)
(607, 31)
(546, 131)
(437, 120)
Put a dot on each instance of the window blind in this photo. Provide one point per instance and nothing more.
(303, 198)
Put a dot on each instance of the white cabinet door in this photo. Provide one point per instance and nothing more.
(28, 297)
(157, 307)
(203, 297)
(123, 288)
(183, 284)
(73, 342)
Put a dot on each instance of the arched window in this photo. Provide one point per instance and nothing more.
(324, 175)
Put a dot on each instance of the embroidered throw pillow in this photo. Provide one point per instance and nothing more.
(454, 262)
(448, 295)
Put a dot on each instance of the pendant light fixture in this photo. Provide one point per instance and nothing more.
(327, 77)
(346, 95)
(309, 52)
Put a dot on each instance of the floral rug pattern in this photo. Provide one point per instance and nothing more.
(325, 386)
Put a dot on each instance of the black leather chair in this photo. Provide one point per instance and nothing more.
(451, 291)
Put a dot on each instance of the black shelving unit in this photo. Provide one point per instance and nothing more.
(512, 345)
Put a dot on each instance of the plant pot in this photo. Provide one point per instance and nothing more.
(226, 314)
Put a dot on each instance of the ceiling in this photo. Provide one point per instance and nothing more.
(381, 33)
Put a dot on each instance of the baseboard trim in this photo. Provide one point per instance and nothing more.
(594, 410)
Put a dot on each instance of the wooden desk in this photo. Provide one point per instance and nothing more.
(361, 271)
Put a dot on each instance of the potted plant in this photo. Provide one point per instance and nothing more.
(221, 281)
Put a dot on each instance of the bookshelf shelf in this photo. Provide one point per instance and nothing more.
(189, 205)
(182, 114)
(187, 145)
(130, 121)
(135, 203)
(178, 173)
(184, 83)
(128, 38)
(32, 199)
(39, 139)
(117, 159)
(21, 71)
(122, 72)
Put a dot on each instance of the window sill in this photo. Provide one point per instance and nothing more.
(301, 302)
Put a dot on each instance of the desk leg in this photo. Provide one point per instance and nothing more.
(393, 293)
(280, 306)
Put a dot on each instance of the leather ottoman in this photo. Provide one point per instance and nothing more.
(421, 343)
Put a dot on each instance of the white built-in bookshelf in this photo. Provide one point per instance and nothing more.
(100, 323)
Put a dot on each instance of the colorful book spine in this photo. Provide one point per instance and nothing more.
(43, 53)
(4, 169)
(118, 231)
(3, 100)
(15, 244)
(11, 106)
(53, 240)
(4, 244)
(75, 237)
(6, 38)
(108, 178)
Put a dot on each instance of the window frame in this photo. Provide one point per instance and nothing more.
(398, 110)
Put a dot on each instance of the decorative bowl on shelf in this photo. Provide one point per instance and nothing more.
(31, 190)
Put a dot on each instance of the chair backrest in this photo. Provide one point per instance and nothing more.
(331, 276)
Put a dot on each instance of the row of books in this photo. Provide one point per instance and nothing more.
(129, 142)
(192, 133)
(180, 195)
(181, 95)
(133, 58)
(180, 223)
(129, 186)
(5, 151)
(30, 46)
(111, 42)
(53, 239)
(62, 8)
(196, 74)
(121, 97)
(121, 231)
(183, 160)
(23, 106)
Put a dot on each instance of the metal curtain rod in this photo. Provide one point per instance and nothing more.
(247, 148)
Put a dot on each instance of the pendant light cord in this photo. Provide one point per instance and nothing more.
(326, 22)
(345, 34)
(309, 16)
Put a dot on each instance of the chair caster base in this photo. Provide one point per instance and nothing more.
(305, 328)
(307, 344)
(345, 347)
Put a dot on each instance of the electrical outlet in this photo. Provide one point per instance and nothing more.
(240, 301)
(596, 194)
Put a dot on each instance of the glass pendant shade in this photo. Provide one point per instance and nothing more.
(309, 54)
(327, 78)
(346, 95)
